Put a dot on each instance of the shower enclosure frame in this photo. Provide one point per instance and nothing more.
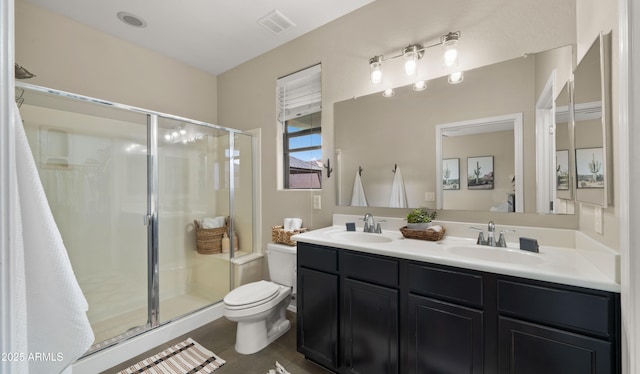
(151, 218)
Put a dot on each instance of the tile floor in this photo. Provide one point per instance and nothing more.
(219, 337)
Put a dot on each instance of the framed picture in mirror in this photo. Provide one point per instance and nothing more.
(451, 174)
(480, 173)
(589, 168)
(562, 169)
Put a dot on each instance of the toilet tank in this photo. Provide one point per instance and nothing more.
(282, 264)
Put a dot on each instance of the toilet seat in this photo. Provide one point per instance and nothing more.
(251, 295)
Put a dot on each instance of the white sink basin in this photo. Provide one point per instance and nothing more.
(360, 237)
(503, 255)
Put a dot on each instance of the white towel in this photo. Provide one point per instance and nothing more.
(357, 196)
(292, 224)
(287, 224)
(398, 194)
(296, 224)
(55, 322)
(212, 223)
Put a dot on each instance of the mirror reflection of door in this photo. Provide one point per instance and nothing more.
(592, 124)
(564, 150)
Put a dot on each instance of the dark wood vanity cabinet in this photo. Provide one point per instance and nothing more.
(318, 302)
(369, 316)
(445, 321)
(557, 329)
(362, 313)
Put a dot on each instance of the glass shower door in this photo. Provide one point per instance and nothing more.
(193, 189)
(92, 162)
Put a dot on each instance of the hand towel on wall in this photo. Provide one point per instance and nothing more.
(56, 322)
(358, 197)
(398, 194)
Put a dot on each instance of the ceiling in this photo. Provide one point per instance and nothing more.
(211, 35)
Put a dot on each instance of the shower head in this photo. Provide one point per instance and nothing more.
(22, 73)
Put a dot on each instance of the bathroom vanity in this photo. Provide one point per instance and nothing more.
(379, 303)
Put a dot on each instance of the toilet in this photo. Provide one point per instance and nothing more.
(260, 307)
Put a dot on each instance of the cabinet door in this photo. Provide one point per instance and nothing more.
(527, 348)
(370, 328)
(444, 338)
(317, 317)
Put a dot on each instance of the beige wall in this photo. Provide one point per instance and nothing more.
(70, 56)
(492, 31)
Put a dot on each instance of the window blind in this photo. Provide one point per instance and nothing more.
(300, 93)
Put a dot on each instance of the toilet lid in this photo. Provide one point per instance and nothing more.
(252, 293)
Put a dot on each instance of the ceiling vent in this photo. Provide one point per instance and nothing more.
(276, 22)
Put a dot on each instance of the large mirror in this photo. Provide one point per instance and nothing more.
(592, 124)
(376, 135)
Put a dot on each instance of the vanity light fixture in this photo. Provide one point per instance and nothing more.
(388, 92)
(413, 53)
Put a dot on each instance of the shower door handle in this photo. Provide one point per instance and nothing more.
(146, 219)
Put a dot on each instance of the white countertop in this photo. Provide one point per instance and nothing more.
(556, 264)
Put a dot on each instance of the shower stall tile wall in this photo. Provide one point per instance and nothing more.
(125, 186)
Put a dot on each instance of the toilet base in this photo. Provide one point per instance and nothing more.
(252, 337)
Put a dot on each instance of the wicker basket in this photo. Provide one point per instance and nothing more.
(430, 235)
(280, 236)
(209, 241)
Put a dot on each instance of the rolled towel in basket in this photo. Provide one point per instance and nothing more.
(436, 228)
(212, 223)
(296, 224)
(292, 224)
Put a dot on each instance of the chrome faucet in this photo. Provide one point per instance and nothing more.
(370, 224)
(491, 239)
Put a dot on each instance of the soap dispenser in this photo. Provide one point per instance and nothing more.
(225, 243)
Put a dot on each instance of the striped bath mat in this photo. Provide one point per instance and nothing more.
(182, 358)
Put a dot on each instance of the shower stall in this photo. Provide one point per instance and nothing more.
(125, 186)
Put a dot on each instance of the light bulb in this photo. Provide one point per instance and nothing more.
(167, 137)
(375, 65)
(388, 92)
(455, 78)
(183, 131)
(410, 64)
(450, 42)
(451, 57)
(174, 134)
(420, 86)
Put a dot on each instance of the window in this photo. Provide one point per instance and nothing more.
(299, 117)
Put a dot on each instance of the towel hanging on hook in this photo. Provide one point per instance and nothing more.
(360, 170)
(395, 167)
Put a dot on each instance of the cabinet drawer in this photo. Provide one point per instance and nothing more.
(565, 308)
(529, 348)
(316, 257)
(448, 284)
(369, 268)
